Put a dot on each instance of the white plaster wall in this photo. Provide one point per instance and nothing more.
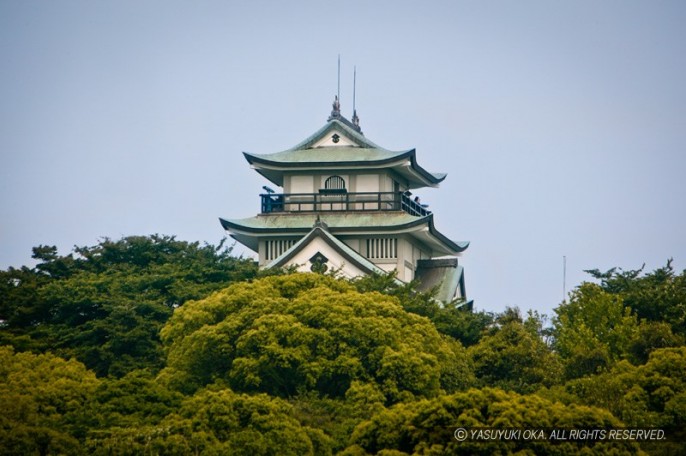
(388, 267)
(353, 244)
(261, 253)
(409, 251)
(367, 183)
(327, 141)
(404, 252)
(301, 184)
(386, 183)
(409, 274)
(302, 259)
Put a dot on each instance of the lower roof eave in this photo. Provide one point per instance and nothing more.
(420, 227)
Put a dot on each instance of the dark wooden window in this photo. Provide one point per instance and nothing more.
(382, 248)
(334, 183)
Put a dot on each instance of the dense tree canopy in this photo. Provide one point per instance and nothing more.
(602, 324)
(658, 296)
(217, 422)
(302, 332)
(513, 355)
(105, 304)
(427, 426)
(452, 319)
(593, 330)
(149, 345)
(43, 401)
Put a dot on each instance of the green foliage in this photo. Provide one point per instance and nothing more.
(20, 307)
(650, 336)
(449, 319)
(658, 296)
(427, 426)
(627, 316)
(218, 422)
(338, 417)
(650, 395)
(134, 400)
(514, 356)
(106, 305)
(593, 330)
(196, 352)
(43, 401)
(308, 332)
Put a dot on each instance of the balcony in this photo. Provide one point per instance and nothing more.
(341, 201)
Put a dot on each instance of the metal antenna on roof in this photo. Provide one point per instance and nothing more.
(564, 279)
(354, 84)
(336, 111)
(356, 120)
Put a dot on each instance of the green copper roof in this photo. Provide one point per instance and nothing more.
(247, 230)
(329, 155)
(443, 275)
(332, 124)
(300, 221)
(363, 155)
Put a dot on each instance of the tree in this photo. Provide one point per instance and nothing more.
(427, 426)
(593, 330)
(658, 296)
(218, 422)
(105, 304)
(450, 319)
(307, 332)
(513, 355)
(650, 395)
(43, 400)
(135, 400)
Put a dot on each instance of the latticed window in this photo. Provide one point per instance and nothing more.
(334, 183)
(382, 248)
(274, 249)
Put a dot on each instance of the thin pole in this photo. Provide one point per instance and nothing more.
(354, 85)
(339, 77)
(564, 278)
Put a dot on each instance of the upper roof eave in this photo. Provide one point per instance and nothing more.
(366, 153)
(323, 158)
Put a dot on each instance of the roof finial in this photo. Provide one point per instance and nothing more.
(336, 111)
(321, 224)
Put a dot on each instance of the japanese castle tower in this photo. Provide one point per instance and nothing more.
(346, 205)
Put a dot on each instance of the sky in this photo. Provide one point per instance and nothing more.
(561, 125)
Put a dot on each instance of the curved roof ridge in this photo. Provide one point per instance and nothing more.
(459, 246)
(357, 136)
(317, 135)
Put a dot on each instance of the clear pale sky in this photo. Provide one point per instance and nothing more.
(561, 125)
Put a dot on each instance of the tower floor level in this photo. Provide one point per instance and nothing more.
(346, 204)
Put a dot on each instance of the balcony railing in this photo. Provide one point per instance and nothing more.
(341, 201)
